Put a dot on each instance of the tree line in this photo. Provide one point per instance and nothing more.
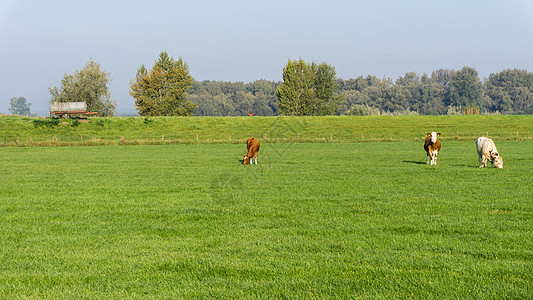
(442, 92)
(222, 98)
(168, 89)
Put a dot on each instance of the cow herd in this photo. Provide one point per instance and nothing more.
(486, 151)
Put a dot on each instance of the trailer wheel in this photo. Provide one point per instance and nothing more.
(65, 116)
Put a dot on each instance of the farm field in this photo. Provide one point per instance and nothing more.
(19, 131)
(312, 220)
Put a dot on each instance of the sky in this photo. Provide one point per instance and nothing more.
(238, 40)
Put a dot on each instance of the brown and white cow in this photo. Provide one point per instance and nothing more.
(432, 147)
(486, 150)
(253, 148)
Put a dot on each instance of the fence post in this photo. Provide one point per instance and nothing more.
(81, 136)
(197, 137)
(163, 137)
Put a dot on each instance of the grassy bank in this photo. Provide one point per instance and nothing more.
(19, 131)
(313, 221)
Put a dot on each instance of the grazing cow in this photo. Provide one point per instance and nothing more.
(432, 147)
(486, 150)
(253, 149)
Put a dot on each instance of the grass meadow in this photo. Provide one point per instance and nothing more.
(311, 220)
(19, 131)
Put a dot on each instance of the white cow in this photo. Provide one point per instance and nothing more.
(486, 150)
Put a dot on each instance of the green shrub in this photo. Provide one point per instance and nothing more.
(363, 110)
(45, 122)
(100, 122)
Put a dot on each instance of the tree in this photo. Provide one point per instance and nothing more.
(511, 91)
(222, 98)
(326, 101)
(296, 91)
(465, 88)
(162, 91)
(19, 106)
(87, 85)
(308, 89)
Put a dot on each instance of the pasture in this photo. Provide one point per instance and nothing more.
(312, 220)
(18, 131)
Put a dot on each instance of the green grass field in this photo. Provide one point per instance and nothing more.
(18, 131)
(312, 220)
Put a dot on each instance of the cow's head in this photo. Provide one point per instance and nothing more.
(246, 160)
(498, 162)
(433, 136)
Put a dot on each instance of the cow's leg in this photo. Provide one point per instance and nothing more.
(427, 161)
(479, 157)
(484, 161)
(255, 159)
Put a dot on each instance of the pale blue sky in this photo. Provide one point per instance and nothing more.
(40, 41)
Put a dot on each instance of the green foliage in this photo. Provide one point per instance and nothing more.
(296, 92)
(508, 92)
(45, 122)
(308, 90)
(326, 99)
(511, 91)
(362, 110)
(322, 221)
(424, 95)
(18, 106)
(100, 122)
(89, 85)
(220, 98)
(454, 111)
(465, 88)
(162, 91)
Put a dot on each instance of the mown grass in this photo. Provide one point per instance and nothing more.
(337, 220)
(18, 131)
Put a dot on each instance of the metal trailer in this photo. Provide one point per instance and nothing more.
(67, 110)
